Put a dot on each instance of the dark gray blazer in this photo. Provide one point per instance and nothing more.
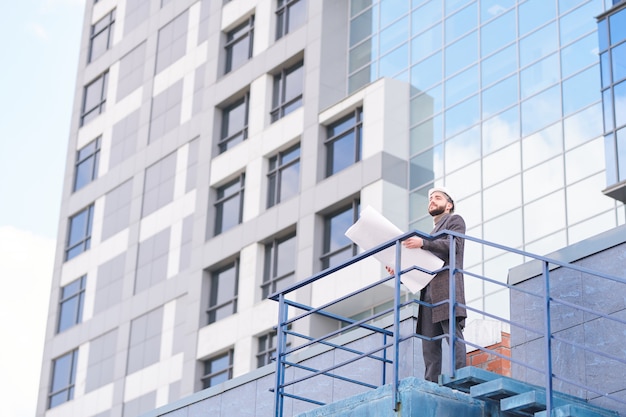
(439, 285)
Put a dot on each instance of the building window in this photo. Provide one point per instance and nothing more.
(94, 98)
(87, 159)
(63, 379)
(239, 45)
(218, 369)
(343, 142)
(337, 247)
(290, 14)
(101, 37)
(234, 124)
(71, 304)
(283, 176)
(223, 290)
(79, 233)
(229, 205)
(287, 92)
(280, 264)
(266, 353)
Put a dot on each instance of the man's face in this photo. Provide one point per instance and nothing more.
(438, 204)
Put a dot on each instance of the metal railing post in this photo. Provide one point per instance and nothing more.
(396, 327)
(452, 305)
(548, 336)
(281, 346)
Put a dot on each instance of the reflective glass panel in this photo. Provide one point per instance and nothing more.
(500, 96)
(426, 134)
(543, 179)
(603, 34)
(426, 15)
(587, 160)
(426, 166)
(426, 43)
(462, 85)
(394, 35)
(357, 6)
(499, 65)
(605, 68)
(462, 53)
(578, 207)
(462, 149)
(535, 13)
(492, 8)
(391, 10)
(462, 116)
(541, 110)
(621, 154)
(461, 22)
(501, 130)
(504, 230)
(590, 227)
(582, 126)
(548, 244)
(362, 54)
(466, 181)
(361, 78)
(581, 90)
(539, 76)
(544, 216)
(607, 103)
(427, 73)
(501, 164)
(363, 26)
(542, 145)
(286, 259)
(620, 104)
(497, 33)
(567, 5)
(395, 61)
(538, 44)
(502, 197)
(426, 105)
(618, 58)
(617, 27)
(452, 5)
(578, 23)
(579, 55)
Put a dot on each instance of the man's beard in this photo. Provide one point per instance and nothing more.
(436, 211)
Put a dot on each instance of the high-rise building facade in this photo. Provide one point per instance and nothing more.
(220, 149)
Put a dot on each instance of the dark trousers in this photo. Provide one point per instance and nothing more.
(431, 349)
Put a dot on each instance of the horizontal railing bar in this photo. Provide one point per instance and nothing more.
(340, 364)
(316, 371)
(340, 347)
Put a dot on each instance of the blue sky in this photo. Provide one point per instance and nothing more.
(39, 46)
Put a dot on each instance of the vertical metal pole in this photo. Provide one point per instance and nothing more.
(548, 336)
(281, 339)
(396, 328)
(452, 305)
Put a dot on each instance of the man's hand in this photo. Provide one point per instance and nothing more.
(413, 243)
(390, 270)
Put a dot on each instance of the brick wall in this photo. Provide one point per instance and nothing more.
(491, 362)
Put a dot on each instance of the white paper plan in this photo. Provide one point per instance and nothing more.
(373, 229)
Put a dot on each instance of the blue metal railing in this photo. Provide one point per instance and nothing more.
(391, 338)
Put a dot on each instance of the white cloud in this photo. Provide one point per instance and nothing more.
(26, 265)
(36, 29)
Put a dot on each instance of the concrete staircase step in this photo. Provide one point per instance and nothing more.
(527, 403)
(578, 410)
(497, 389)
(467, 377)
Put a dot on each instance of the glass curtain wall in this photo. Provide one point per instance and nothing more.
(506, 111)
